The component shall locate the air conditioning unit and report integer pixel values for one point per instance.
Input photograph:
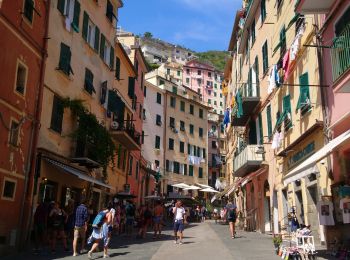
(114, 125)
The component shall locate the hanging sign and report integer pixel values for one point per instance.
(301, 155)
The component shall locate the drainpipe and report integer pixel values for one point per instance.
(164, 133)
(28, 195)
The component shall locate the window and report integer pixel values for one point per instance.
(209, 101)
(209, 74)
(200, 113)
(161, 82)
(263, 10)
(171, 144)
(65, 58)
(221, 95)
(191, 129)
(287, 111)
(182, 106)
(199, 72)
(200, 172)
(14, 133)
(131, 159)
(172, 122)
(252, 32)
(215, 85)
(283, 44)
(157, 144)
(220, 104)
(213, 144)
(187, 71)
(215, 103)
(131, 87)
(176, 167)
(21, 78)
(173, 102)
(200, 132)
(109, 11)
(157, 163)
(9, 188)
(28, 11)
(215, 94)
(265, 58)
(304, 97)
(269, 122)
(89, 81)
(187, 80)
(143, 137)
(199, 82)
(117, 69)
(182, 125)
(144, 91)
(178, 72)
(174, 90)
(182, 147)
(191, 109)
(137, 168)
(260, 129)
(91, 33)
(184, 169)
(209, 92)
(190, 170)
(57, 115)
(198, 90)
(107, 52)
(158, 120)
(159, 98)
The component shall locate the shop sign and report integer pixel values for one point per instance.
(301, 155)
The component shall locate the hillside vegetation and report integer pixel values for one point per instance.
(217, 58)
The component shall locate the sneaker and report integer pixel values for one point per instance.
(180, 243)
(75, 254)
(89, 254)
(175, 242)
(105, 256)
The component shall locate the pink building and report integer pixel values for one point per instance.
(334, 49)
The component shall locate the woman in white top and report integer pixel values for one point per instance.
(179, 220)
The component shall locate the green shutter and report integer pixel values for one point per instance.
(287, 109)
(57, 114)
(97, 39)
(261, 130)
(76, 16)
(131, 87)
(204, 153)
(304, 90)
(60, 6)
(200, 172)
(102, 46)
(65, 57)
(257, 75)
(117, 70)
(28, 9)
(185, 169)
(190, 170)
(188, 148)
(269, 123)
(111, 59)
(85, 25)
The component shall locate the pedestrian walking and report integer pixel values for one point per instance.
(179, 221)
(158, 219)
(80, 227)
(203, 212)
(108, 229)
(130, 217)
(99, 232)
(215, 215)
(40, 226)
(69, 225)
(58, 218)
(231, 215)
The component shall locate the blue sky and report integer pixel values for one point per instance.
(200, 25)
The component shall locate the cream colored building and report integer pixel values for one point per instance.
(80, 66)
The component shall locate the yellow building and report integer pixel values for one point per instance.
(79, 73)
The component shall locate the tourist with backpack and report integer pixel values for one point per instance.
(231, 215)
(98, 232)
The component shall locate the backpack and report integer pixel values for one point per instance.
(231, 214)
(99, 219)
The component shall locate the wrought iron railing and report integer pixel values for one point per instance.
(248, 154)
(340, 53)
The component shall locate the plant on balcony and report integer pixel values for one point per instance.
(91, 134)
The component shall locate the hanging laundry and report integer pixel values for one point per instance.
(68, 24)
(280, 139)
(286, 64)
(227, 117)
(294, 48)
(239, 104)
(273, 79)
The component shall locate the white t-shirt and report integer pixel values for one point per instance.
(179, 213)
(325, 213)
(344, 205)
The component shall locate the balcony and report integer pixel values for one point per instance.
(314, 6)
(126, 135)
(247, 161)
(250, 100)
(340, 55)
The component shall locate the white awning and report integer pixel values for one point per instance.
(307, 167)
(192, 187)
(76, 172)
(210, 190)
(181, 185)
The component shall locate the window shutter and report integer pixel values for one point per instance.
(131, 87)
(257, 75)
(117, 68)
(185, 169)
(76, 16)
(85, 25)
(261, 130)
(60, 6)
(103, 92)
(111, 59)
(65, 57)
(204, 153)
(97, 39)
(269, 123)
(167, 165)
(57, 114)
(189, 149)
(304, 90)
(102, 46)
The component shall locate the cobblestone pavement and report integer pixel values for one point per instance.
(202, 241)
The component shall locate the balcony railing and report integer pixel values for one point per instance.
(340, 53)
(247, 161)
(126, 135)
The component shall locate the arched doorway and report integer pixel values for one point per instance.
(267, 213)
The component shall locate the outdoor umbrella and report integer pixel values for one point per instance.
(153, 197)
(192, 187)
(203, 185)
(181, 185)
(210, 190)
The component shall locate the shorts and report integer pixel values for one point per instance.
(179, 226)
(157, 220)
(79, 232)
(231, 220)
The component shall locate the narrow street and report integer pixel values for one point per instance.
(202, 241)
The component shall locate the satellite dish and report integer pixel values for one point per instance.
(114, 125)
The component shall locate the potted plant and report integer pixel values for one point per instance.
(277, 241)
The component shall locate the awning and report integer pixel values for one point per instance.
(307, 166)
(306, 172)
(76, 172)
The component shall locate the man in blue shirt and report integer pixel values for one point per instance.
(80, 227)
(231, 215)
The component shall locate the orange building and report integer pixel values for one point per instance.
(24, 25)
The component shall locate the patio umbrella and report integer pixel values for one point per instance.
(203, 185)
(181, 185)
(192, 187)
(210, 190)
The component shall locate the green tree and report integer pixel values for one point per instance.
(148, 35)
